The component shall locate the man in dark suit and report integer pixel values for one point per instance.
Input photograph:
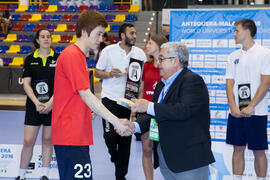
(180, 107)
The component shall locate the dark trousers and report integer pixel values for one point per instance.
(118, 147)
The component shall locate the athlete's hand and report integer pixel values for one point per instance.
(236, 112)
(133, 118)
(116, 73)
(247, 111)
(93, 115)
(47, 108)
(39, 106)
(125, 128)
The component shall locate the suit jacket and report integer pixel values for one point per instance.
(183, 121)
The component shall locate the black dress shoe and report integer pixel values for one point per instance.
(138, 136)
(44, 178)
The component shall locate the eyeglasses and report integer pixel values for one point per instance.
(161, 58)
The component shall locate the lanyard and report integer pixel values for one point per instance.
(164, 92)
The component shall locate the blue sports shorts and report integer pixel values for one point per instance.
(73, 162)
(251, 131)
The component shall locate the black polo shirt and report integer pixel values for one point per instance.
(41, 71)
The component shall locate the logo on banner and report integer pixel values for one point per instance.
(218, 169)
(6, 159)
(236, 61)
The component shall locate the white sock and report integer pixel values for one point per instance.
(261, 178)
(237, 177)
(22, 173)
(45, 171)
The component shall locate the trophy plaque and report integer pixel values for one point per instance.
(244, 95)
(134, 76)
(41, 90)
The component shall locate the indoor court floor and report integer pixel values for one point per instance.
(11, 129)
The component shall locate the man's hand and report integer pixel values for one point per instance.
(247, 111)
(133, 119)
(140, 105)
(129, 128)
(236, 112)
(116, 73)
(93, 115)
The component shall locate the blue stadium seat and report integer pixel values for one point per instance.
(131, 18)
(32, 8)
(56, 17)
(103, 8)
(2, 37)
(3, 48)
(16, 17)
(59, 49)
(25, 50)
(90, 63)
(29, 27)
(72, 9)
(30, 38)
(115, 28)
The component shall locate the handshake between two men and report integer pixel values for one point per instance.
(138, 105)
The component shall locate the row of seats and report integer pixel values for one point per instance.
(15, 49)
(56, 28)
(70, 17)
(55, 8)
(51, 27)
(55, 38)
(45, 17)
(113, 28)
(19, 61)
(121, 18)
(16, 61)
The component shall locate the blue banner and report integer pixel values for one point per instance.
(209, 37)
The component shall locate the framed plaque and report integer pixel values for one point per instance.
(244, 95)
(134, 76)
